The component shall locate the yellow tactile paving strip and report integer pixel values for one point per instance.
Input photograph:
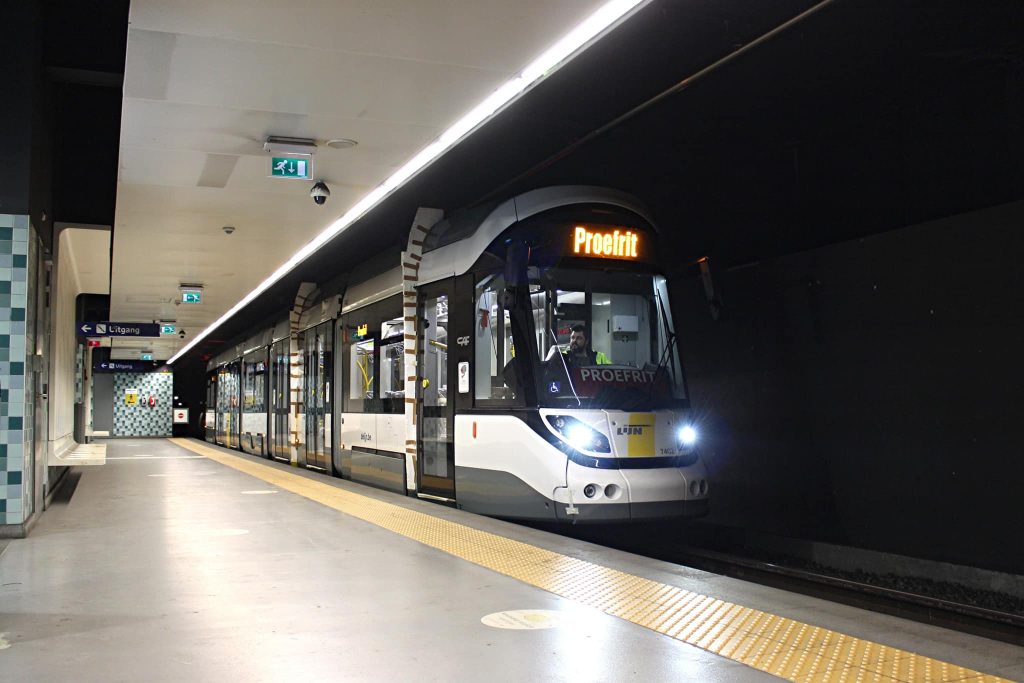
(783, 647)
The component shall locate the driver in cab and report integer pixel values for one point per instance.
(579, 354)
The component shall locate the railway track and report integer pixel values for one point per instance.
(967, 618)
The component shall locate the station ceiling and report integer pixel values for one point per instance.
(207, 82)
(859, 117)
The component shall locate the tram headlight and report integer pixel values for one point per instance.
(687, 437)
(579, 435)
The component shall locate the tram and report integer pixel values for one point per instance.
(519, 360)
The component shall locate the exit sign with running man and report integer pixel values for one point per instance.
(300, 168)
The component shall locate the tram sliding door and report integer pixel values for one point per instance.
(221, 418)
(319, 363)
(435, 423)
(280, 401)
(234, 421)
(210, 412)
(254, 402)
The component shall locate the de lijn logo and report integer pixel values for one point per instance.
(630, 430)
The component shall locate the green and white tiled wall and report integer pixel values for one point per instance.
(141, 419)
(15, 420)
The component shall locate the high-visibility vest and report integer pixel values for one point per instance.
(596, 357)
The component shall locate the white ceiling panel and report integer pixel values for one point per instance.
(281, 78)
(172, 125)
(205, 78)
(499, 35)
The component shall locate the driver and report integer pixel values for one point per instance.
(579, 353)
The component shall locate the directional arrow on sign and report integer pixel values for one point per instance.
(86, 328)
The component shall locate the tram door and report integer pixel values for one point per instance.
(319, 365)
(280, 401)
(233, 425)
(435, 423)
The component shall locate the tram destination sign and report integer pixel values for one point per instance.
(606, 242)
(109, 329)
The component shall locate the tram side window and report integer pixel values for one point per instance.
(494, 378)
(362, 370)
(247, 384)
(253, 387)
(391, 383)
(374, 355)
(257, 402)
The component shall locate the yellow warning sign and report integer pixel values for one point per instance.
(131, 397)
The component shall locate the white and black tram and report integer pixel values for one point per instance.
(518, 360)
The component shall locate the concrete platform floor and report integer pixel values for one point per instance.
(166, 566)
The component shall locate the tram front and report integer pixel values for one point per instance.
(580, 409)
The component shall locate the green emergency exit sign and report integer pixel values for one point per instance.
(300, 168)
(167, 329)
(191, 297)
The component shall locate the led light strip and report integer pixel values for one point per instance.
(605, 18)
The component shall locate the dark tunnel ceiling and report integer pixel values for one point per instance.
(864, 117)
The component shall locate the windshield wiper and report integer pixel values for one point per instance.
(666, 353)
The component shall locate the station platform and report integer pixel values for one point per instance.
(179, 560)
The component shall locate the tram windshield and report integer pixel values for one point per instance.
(602, 339)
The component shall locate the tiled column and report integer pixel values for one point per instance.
(15, 434)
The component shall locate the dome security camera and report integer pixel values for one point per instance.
(228, 229)
(181, 333)
(320, 192)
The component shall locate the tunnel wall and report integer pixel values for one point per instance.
(871, 392)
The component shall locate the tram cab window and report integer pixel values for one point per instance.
(616, 327)
(601, 336)
(629, 356)
(373, 352)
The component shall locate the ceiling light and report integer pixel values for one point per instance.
(288, 145)
(591, 28)
(341, 143)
